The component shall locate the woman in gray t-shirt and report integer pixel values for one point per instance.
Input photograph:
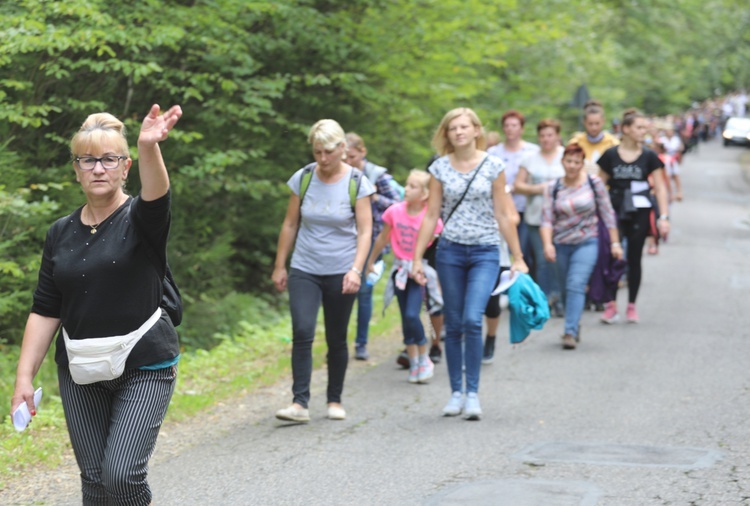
(468, 255)
(330, 218)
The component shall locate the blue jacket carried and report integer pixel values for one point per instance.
(528, 308)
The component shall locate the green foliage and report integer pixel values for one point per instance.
(252, 76)
(255, 352)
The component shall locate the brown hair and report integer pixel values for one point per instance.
(592, 107)
(355, 141)
(573, 149)
(548, 123)
(630, 115)
(513, 114)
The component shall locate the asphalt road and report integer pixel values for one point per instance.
(655, 413)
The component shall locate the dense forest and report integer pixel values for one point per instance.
(252, 76)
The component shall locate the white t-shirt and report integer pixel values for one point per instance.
(540, 171)
(512, 161)
(327, 236)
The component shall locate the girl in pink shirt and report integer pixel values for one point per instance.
(401, 223)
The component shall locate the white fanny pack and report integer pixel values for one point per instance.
(103, 358)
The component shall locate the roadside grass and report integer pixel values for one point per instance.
(255, 355)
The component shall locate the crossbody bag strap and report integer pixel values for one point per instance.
(445, 221)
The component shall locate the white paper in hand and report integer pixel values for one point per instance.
(22, 416)
(506, 280)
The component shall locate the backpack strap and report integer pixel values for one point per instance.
(355, 182)
(593, 189)
(304, 183)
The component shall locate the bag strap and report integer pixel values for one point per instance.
(445, 221)
(355, 181)
(591, 184)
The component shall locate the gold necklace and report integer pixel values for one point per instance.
(93, 227)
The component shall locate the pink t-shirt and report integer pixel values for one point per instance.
(405, 229)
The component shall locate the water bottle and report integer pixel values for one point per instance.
(374, 276)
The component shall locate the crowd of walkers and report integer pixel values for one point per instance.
(575, 217)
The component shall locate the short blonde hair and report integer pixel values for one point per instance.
(423, 177)
(326, 132)
(440, 141)
(98, 130)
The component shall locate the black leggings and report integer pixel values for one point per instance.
(493, 305)
(635, 230)
(306, 294)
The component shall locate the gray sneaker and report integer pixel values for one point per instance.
(360, 352)
(488, 354)
(455, 405)
(472, 409)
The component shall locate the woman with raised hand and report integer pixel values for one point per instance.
(573, 205)
(467, 188)
(626, 169)
(100, 283)
(329, 223)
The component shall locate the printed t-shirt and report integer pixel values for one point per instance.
(631, 176)
(405, 229)
(472, 222)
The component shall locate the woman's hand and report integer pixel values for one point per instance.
(417, 272)
(352, 282)
(279, 278)
(23, 393)
(617, 252)
(156, 127)
(519, 265)
(550, 253)
(663, 226)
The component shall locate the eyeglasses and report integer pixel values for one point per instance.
(89, 162)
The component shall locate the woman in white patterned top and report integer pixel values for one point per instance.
(467, 188)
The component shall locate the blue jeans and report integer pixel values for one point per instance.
(546, 272)
(467, 276)
(364, 312)
(364, 306)
(410, 303)
(575, 263)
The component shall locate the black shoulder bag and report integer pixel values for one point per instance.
(171, 300)
(429, 253)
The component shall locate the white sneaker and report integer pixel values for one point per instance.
(426, 371)
(455, 405)
(336, 413)
(472, 409)
(293, 414)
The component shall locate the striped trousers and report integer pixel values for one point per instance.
(113, 427)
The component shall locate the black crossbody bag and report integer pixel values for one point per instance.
(429, 253)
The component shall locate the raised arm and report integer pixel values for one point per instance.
(153, 172)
